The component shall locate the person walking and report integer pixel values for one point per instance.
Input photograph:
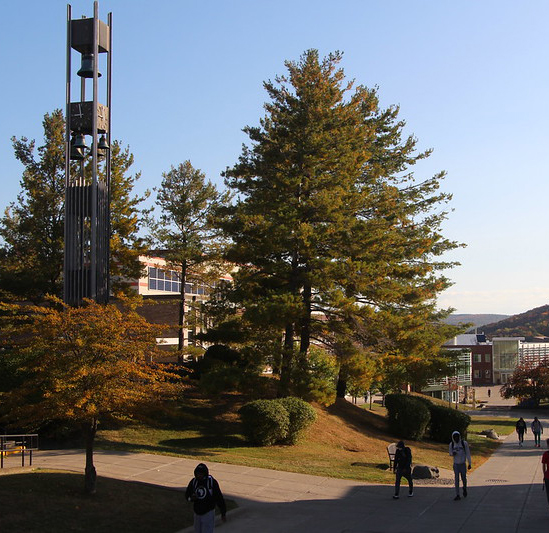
(545, 466)
(521, 430)
(461, 453)
(403, 468)
(489, 393)
(203, 490)
(537, 430)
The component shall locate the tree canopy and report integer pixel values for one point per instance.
(82, 366)
(333, 234)
(528, 382)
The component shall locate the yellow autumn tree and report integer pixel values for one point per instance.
(82, 366)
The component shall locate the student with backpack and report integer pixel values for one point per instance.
(403, 468)
(461, 453)
(203, 490)
(537, 430)
(521, 430)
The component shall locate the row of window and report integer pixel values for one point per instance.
(169, 281)
(477, 358)
(487, 374)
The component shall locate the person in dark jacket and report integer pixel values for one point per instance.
(203, 490)
(403, 468)
(521, 430)
(537, 430)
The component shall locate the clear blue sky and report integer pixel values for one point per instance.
(471, 77)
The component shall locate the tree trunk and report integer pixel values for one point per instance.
(90, 475)
(181, 322)
(287, 362)
(305, 334)
(341, 387)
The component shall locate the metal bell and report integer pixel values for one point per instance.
(103, 144)
(86, 70)
(79, 141)
(76, 154)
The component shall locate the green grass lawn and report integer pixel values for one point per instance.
(53, 502)
(347, 441)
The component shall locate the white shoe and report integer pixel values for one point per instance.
(410, 494)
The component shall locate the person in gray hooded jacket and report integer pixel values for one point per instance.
(459, 450)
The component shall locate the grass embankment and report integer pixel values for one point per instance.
(50, 502)
(346, 441)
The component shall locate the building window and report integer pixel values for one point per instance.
(477, 373)
(487, 358)
(164, 280)
(487, 374)
(477, 358)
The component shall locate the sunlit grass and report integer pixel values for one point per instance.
(346, 441)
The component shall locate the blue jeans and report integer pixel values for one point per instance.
(537, 439)
(204, 523)
(460, 470)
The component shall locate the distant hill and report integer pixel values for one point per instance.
(533, 325)
(477, 320)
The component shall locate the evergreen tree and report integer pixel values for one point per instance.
(32, 228)
(331, 228)
(185, 229)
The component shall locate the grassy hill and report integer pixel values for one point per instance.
(346, 441)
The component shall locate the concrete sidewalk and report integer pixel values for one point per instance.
(505, 495)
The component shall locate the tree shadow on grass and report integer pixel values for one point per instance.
(50, 502)
(206, 441)
(360, 419)
(190, 446)
(379, 466)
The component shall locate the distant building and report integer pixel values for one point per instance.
(453, 388)
(493, 362)
(162, 284)
(481, 356)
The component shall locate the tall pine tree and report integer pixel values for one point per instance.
(185, 229)
(330, 226)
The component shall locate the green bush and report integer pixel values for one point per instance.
(408, 416)
(264, 422)
(302, 415)
(445, 420)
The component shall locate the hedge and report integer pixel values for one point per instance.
(444, 421)
(408, 416)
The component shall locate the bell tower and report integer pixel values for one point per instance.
(87, 169)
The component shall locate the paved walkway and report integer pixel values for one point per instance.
(505, 495)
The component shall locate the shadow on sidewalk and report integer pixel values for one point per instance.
(371, 509)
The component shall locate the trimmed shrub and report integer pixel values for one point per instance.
(302, 415)
(264, 422)
(445, 420)
(408, 416)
